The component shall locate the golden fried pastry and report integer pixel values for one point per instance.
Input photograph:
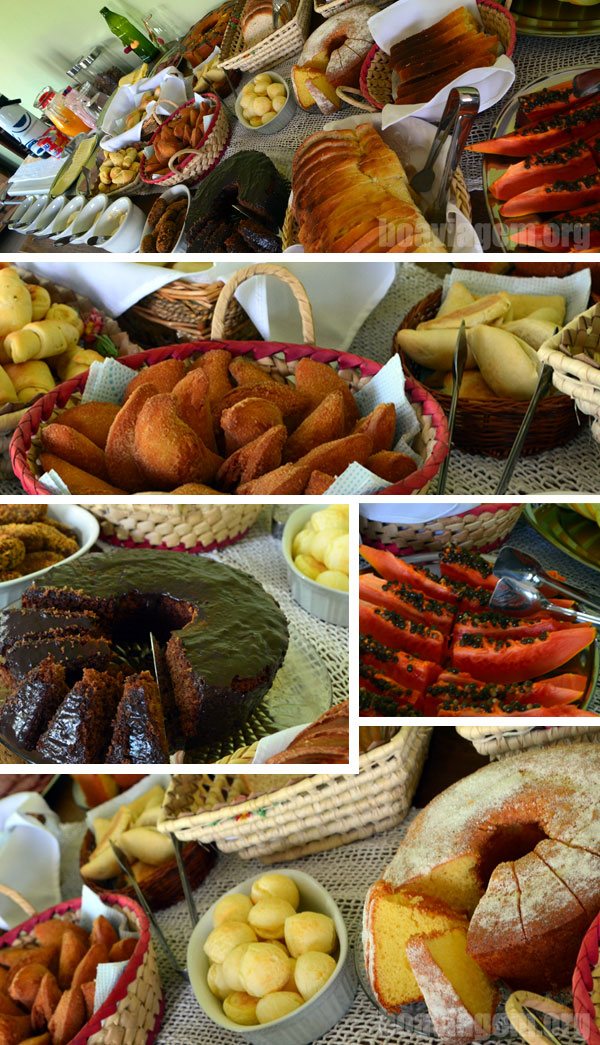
(61, 527)
(319, 482)
(39, 536)
(76, 479)
(193, 406)
(40, 561)
(215, 365)
(46, 1001)
(91, 419)
(197, 489)
(167, 451)
(334, 457)
(89, 993)
(254, 459)
(122, 950)
(13, 1029)
(9, 1007)
(103, 932)
(10, 575)
(317, 380)
(246, 372)
(25, 983)
(288, 478)
(72, 950)
(247, 420)
(294, 405)
(274, 884)
(310, 931)
(391, 466)
(381, 426)
(74, 447)
(86, 970)
(12, 551)
(14, 957)
(26, 513)
(164, 376)
(69, 1017)
(326, 422)
(51, 932)
(234, 907)
(122, 466)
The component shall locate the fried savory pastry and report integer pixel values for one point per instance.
(381, 426)
(75, 448)
(40, 561)
(50, 933)
(156, 211)
(215, 365)
(326, 422)
(103, 932)
(317, 380)
(39, 536)
(294, 405)
(89, 993)
(391, 466)
(245, 421)
(120, 459)
(69, 1017)
(10, 575)
(12, 551)
(46, 1002)
(288, 478)
(86, 970)
(14, 1029)
(167, 451)
(91, 419)
(122, 950)
(163, 376)
(246, 372)
(198, 489)
(25, 984)
(8, 1007)
(15, 957)
(25, 513)
(193, 406)
(334, 457)
(72, 950)
(254, 459)
(76, 479)
(319, 482)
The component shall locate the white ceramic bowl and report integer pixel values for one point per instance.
(316, 1016)
(30, 218)
(83, 226)
(126, 238)
(20, 212)
(68, 215)
(85, 526)
(283, 116)
(45, 219)
(180, 247)
(327, 604)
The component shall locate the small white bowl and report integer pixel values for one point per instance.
(316, 1016)
(87, 530)
(283, 116)
(30, 218)
(20, 212)
(127, 236)
(83, 226)
(45, 219)
(59, 225)
(180, 247)
(327, 604)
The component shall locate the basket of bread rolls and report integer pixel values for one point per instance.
(188, 144)
(48, 334)
(504, 333)
(229, 417)
(49, 964)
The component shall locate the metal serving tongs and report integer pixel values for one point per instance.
(461, 109)
(520, 599)
(512, 562)
(542, 389)
(460, 361)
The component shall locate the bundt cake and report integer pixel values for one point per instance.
(515, 847)
(222, 639)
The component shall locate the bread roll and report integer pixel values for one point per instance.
(16, 309)
(225, 937)
(232, 908)
(216, 982)
(309, 931)
(264, 968)
(241, 1008)
(276, 1005)
(311, 972)
(267, 917)
(231, 975)
(278, 885)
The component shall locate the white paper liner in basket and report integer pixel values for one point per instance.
(575, 288)
(173, 94)
(108, 973)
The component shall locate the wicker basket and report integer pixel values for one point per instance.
(509, 740)
(490, 426)
(63, 295)
(585, 984)
(279, 359)
(175, 527)
(198, 161)
(376, 72)
(482, 529)
(285, 42)
(162, 888)
(311, 815)
(327, 8)
(133, 1012)
(573, 376)
(182, 311)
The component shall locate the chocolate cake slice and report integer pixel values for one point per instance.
(26, 713)
(139, 727)
(18, 624)
(80, 730)
(70, 650)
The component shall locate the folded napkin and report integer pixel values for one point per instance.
(576, 288)
(29, 855)
(173, 93)
(272, 745)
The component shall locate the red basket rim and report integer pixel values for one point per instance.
(43, 408)
(198, 549)
(184, 163)
(364, 71)
(587, 960)
(121, 987)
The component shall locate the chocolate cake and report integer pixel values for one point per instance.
(70, 650)
(26, 713)
(138, 731)
(23, 623)
(81, 727)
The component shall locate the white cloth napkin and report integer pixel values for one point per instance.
(404, 19)
(267, 747)
(29, 855)
(173, 93)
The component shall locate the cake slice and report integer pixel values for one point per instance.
(20, 623)
(74, 652)
(80, 730)
(578, 869)
(139, 727)
(496, 939)
(391, 919)
(26, 713)
(460, 998)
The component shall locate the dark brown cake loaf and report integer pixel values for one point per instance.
(138, 731)
(70, 650)
(26, 713)
(81, 728)
(16, 624)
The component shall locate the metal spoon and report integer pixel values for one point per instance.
(522, 600)
(460, 360)
(512, 562)
(543, 387)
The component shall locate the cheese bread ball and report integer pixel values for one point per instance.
(274, 884)
(233, 908)
(311, 972)
(241, 1008)
(309, 931)
(264, 968)
(276, 1005)
(216, 982)
(225, 937)
(268, 916)
(231, 969)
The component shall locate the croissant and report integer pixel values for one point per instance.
(76, 361)
(8, 392)
(66, 314)
(40, 301)
(48, 337)
(16, 308)
(30, 379)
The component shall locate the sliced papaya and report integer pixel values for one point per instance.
(414, 605)
(377, 682)
(375, 705)
(401, 667)
(554, 196)
(495, 625)
(554, 711)
(576, 233)
(517, 660)
(553, 133)
(390, 629)
(573, 161)
(394, 568)
(542, 105)
(456, 564)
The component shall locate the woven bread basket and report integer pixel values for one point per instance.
(66, 296)
(285, 42)
(133, 1012)
(376, 72)
(327, 8)
(482, 529)
(490, 426)
(183, 311)
(175, 527)
(278, 359)
(573, 376)
(310, 815)
(190, 164)
(509, 740)
(586, 985)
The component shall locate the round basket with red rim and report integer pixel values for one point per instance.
(586, 985)
(192, 162)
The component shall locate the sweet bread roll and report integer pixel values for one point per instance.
(193, 406)
(318, 380)
(46, 1001)
(225, 937)
(167, 451)
(254, 459)
(16, 307)
(310, 931)
(41, 340)
(247, 420)
(326, 422)
(278, 1004)
(146, 844)
(162, 376)
(122, 466)
(232, 908)
(75, 361)
(75, 478)
(69, 1017)
(91, 419)
(264, 968)
(66, 314)
(311, 972)
(231, 968)
(103, 932)
(72, 950)
(268, 916)
(273, 884)
(216, 981)
(30, 379)
(240, 1008)
(40, 301)
(75, 448)
(380, 424)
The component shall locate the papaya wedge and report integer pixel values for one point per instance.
(407, 671)
(390, 629)
(544, 104)
(556, 196)
(517, 660)
(395, 568)
(547, 134)
(573, 161)
(565, 234)
(411, 604)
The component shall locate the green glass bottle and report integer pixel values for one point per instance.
(131, 37)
